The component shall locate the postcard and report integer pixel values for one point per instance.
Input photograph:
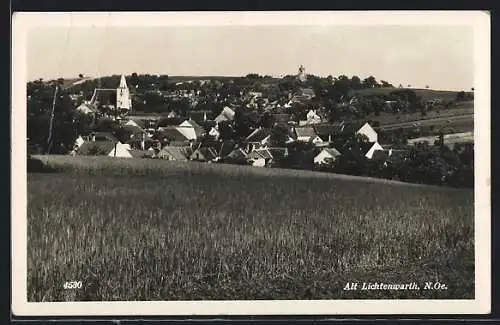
(250, 163)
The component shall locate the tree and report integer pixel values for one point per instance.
(370, 82)
(279, 135)
(356, 83)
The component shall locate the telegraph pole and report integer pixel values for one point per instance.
(51, 122)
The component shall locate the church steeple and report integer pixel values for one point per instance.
(123, 101)
(302, 74)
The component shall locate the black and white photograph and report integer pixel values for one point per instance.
(251, 163)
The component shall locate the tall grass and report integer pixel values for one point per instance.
(151, 230)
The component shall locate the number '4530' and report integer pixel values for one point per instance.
(72, 285)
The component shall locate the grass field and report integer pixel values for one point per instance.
(134, 229)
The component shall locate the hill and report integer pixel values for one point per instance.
(426, 94)
(189, 231)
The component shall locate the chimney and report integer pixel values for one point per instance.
(329, 138)
(93, 137)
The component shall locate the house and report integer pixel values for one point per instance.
(203, 154)
(369, 132)
(237, 156)
(307, 93)
(381, 156)
(223, 149)
(191, 129)
(174, 153)
(214, 132)
(171, 135)
(328, 132)
(168, 122)
(374, 147)
(326, 156)
(227, 114)
(307, 134)
(259, 137)
(312, 117)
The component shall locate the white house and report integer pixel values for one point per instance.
(325, 155)
(313, 117)
(369, 132)
(187, 130)
(376, 146)
(214, 132)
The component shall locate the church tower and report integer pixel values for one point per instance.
(302, 74)
(123, 101)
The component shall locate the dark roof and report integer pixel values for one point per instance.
(264, 153)
(174, 153)
(141, 153)
(204, 153)
(259, 135)
(103, 136)
(237, 154)
(97, 148)
(167, 121)
(380, 155)
(171, 134)
(278, 152)
(224, 148)
(133, 129)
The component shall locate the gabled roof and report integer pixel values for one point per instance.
(224, 148)
(237, 154)
(258, 135)
(264, 153)
(171, 134)
(227, 114)
(207, 153)
(174, 153)
(380, 155)
(305, 132)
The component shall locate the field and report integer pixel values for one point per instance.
(135, 229)
(425, 94)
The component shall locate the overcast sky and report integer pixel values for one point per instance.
(438, 56)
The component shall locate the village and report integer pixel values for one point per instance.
(287, 131)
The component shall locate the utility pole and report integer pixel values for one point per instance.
(51, 123)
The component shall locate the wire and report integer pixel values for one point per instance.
(59, 70)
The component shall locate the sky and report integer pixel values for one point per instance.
(438, 56)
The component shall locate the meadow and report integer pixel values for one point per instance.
(145, 229)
